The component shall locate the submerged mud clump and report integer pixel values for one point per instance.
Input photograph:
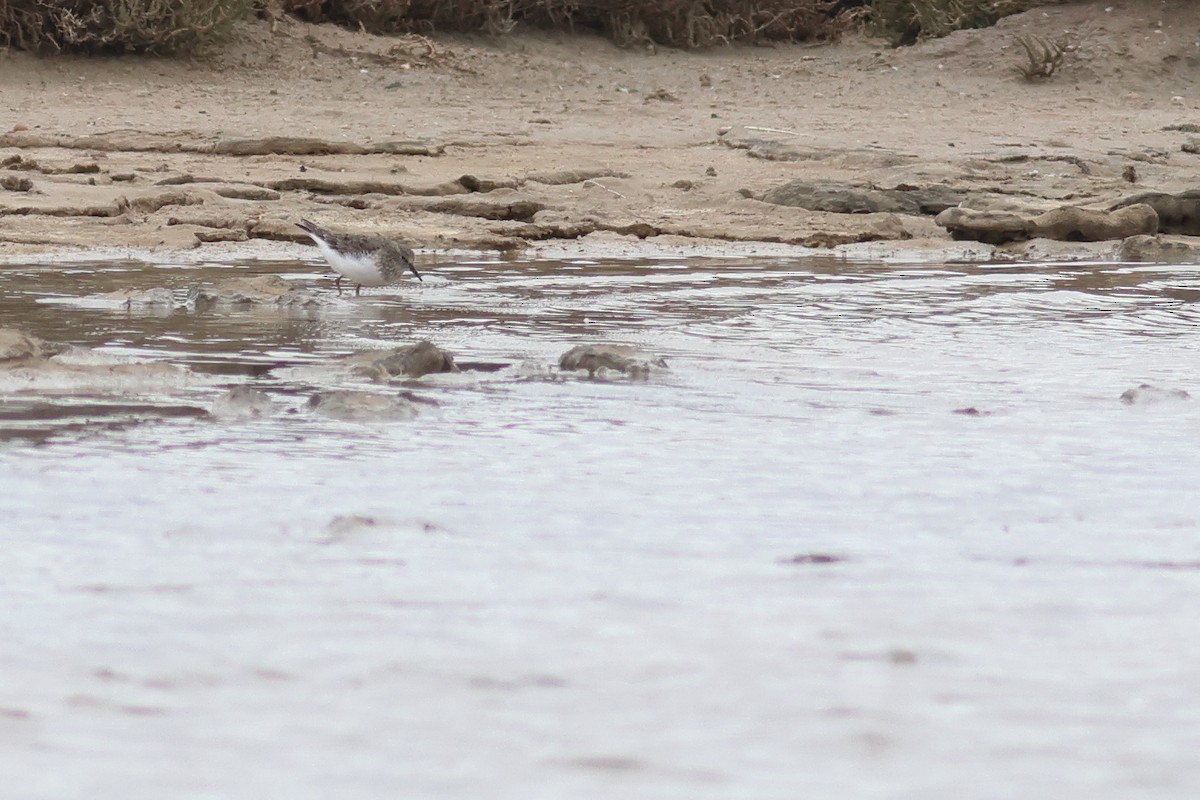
(355, 406)
(813, 558)
(243, 402)
(29, 363)
(413, 361)
(602, 359)
(257, 290)
(158, 297)
(1146, 394)
(17, 346)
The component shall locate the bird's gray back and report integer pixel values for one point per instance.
(354, 243)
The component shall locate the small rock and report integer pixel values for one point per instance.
(1071, 224)
(205, 218)
(1146, 394)
(15, 183)
(17, 346)
(475, 183)
(990, 227)
(178, 180)
(87, 168)
(237, 191)
(1157, 249)
(149, 203)
(507, 206)
(1177, 213)
(661, 94)
(622, 358)
(221, 235)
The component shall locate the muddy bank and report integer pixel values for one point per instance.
(542, 138)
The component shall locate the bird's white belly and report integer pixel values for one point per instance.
(357, 268)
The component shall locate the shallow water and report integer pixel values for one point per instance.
(881, 532)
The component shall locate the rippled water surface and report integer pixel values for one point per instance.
(880, 532)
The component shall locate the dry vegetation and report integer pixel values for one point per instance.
(906, 21)
(154, 26)
(174, 26)
(1043, 56)
(680, 23)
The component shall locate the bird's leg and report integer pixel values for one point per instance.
(357, 289)
(338, 284)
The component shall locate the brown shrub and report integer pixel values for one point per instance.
(906, 21)
(679, 23)
(172, 26)
(153, 26)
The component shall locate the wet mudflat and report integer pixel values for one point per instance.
(880, 531)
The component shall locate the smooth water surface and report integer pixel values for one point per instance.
(880, 532)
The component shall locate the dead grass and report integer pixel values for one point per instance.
(1043, 57)
(905, 21)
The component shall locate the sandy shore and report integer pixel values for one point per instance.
(561, 142)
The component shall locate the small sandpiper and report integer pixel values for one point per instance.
(366, 260)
